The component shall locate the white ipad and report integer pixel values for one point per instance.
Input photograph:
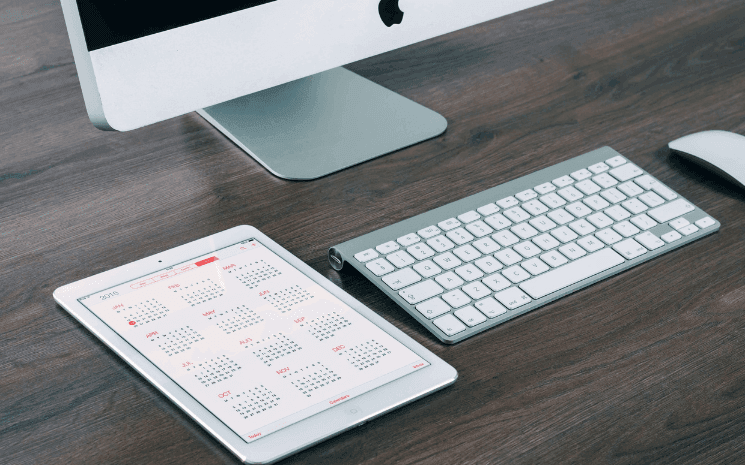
(257, 347)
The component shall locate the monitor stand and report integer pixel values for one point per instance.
(323, 123)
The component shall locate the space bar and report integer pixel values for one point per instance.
(572, 273)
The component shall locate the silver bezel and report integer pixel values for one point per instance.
(290, 439)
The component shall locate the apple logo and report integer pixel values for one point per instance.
(390, 13)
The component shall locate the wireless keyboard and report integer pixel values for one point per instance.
(477, 262)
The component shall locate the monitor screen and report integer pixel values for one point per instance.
(109, 22)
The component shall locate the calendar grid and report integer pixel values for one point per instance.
(272, 348)
(311, 378)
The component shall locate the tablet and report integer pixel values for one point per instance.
(262, 351)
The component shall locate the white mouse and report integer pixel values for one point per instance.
(721, 151)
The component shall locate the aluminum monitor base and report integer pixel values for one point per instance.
(321, 124)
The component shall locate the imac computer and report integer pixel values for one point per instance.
(266, 73)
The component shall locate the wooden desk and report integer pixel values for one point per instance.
(648, 366)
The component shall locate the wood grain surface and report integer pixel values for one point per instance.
(644, 367)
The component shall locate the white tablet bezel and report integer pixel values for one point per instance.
(290, 439)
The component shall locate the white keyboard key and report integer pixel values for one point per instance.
(679, 223)
(605, 180)
(561, 216)
(488, 264)
(630, 248)
(508, 202)
(590, 243)
(552, 200)
(600, 220)
(578, 209)
(630, 189)
(526, 195)
(643, 222)
(571, 273)
(545, 188)
(516, 274)
(608, 236)
(596, 202)
(634, 206)
(534, 266)
(626, 229)
(599, 167)
(546, 241)
(488, 209)
(476, 290)
(505, 238)
(467, 253)
(429, 231)
(524, 230)
(427, 268)
(672, 236)
(649, 240)
(651, 199)
(671, 210)
(440, 243)
(498, 221)
(508, 257)
(401, 278)
(497, 282)
(563, 181)
(447, 261)
(613, 195)
(512, 298)
(486, 246)
(366, 255)
(516, 214)
(449, 325)
(535, 207)
(582, 227)
(421, 291)
(581, 174)
(690, 229)
(479, 229)
(587, 187)
(570, 194)
(617, 212)
(626, 171)
(449, 280)
(459, 236)
(554, 259)
(380, 266)
(645, 181)
(408, 239)
(400, 259)
(469, 216)
(564, 234)
(705, 222)
(470, 316)
(388, 247)
(433, 308)
(490, 307)
(664, 191)
(615, 161)
(420, 251)
(449, 224)
(456, 298)
(542, 223)
(572, 251)
(527, 249)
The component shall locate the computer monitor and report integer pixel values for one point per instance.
(264, 72)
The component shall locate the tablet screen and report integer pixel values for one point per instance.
(254, 340)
